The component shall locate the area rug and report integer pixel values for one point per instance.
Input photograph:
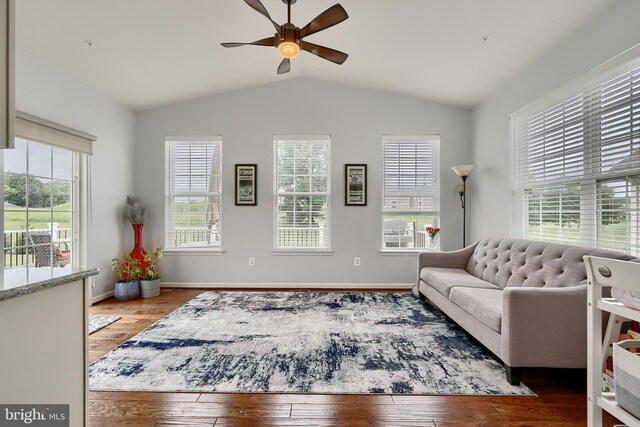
(307, 342)
(98, 322)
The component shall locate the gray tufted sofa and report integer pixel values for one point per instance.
(524, 300)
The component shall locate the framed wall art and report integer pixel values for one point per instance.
(355, 191)
(246, 185)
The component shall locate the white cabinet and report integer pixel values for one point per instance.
(603, 272)
(44, 349)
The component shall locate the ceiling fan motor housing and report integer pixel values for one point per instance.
(290, 33)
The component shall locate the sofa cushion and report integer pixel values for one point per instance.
(527, 263)
(485, 305)
(444, 279)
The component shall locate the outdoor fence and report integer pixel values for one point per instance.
(301, 237)
(195, 236)
(421, 239)
(295, 238)
(17, 250)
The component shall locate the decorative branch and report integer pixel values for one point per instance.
(134, 211)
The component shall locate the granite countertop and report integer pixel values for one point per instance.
(18, 281)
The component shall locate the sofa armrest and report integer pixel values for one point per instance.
(450, 259)
(545, 327)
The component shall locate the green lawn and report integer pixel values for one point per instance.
(38, 217)
(191, 214)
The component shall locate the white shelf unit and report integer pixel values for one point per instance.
(605, 272)
(611, 406)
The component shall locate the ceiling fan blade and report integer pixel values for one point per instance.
(269, 41)
(259, 7)
(285, 66)
(324, 52)
(330, 17)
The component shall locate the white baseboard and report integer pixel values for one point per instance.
(98, 298)
(210, 285)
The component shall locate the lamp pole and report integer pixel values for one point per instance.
(463, 171)
(462, 192)
(464, 210)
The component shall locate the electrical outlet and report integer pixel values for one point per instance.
(252, 262)
(356, 261)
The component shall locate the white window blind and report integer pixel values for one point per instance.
(576, 163)
(410, 189)
(194, 183)
(302, 192)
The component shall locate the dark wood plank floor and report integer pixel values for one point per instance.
(561, 400)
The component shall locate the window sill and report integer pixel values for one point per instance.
(302, 252)
(194, 251)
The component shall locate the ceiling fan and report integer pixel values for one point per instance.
(289, 38)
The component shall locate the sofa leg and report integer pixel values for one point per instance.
(416, 292)
(514, 375)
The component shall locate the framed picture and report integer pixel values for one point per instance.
(246, 185)
(355, 189)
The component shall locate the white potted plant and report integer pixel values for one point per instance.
(150, 281)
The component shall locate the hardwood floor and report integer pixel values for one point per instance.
(561, 400)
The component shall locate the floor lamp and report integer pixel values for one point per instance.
(463, 171)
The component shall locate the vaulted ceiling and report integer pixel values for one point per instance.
(148, 53)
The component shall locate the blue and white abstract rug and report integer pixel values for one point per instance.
(307, 342)
(99, 322)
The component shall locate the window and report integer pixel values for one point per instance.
(39, 205)
(302, 188)
(46, 197)
(576, 162)
(410, 190)
(194, 193)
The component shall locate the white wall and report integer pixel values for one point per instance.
(611, 34)
(53, 95)
(247, 120)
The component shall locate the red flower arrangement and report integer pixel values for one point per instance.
(433, 231)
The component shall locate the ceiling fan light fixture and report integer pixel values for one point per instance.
(289, 50)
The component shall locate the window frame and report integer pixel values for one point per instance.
(301, 250)
(214, 249)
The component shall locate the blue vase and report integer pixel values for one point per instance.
(126, 291)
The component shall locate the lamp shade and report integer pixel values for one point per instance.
(463, 170)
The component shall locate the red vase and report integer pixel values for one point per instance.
(138, 252)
